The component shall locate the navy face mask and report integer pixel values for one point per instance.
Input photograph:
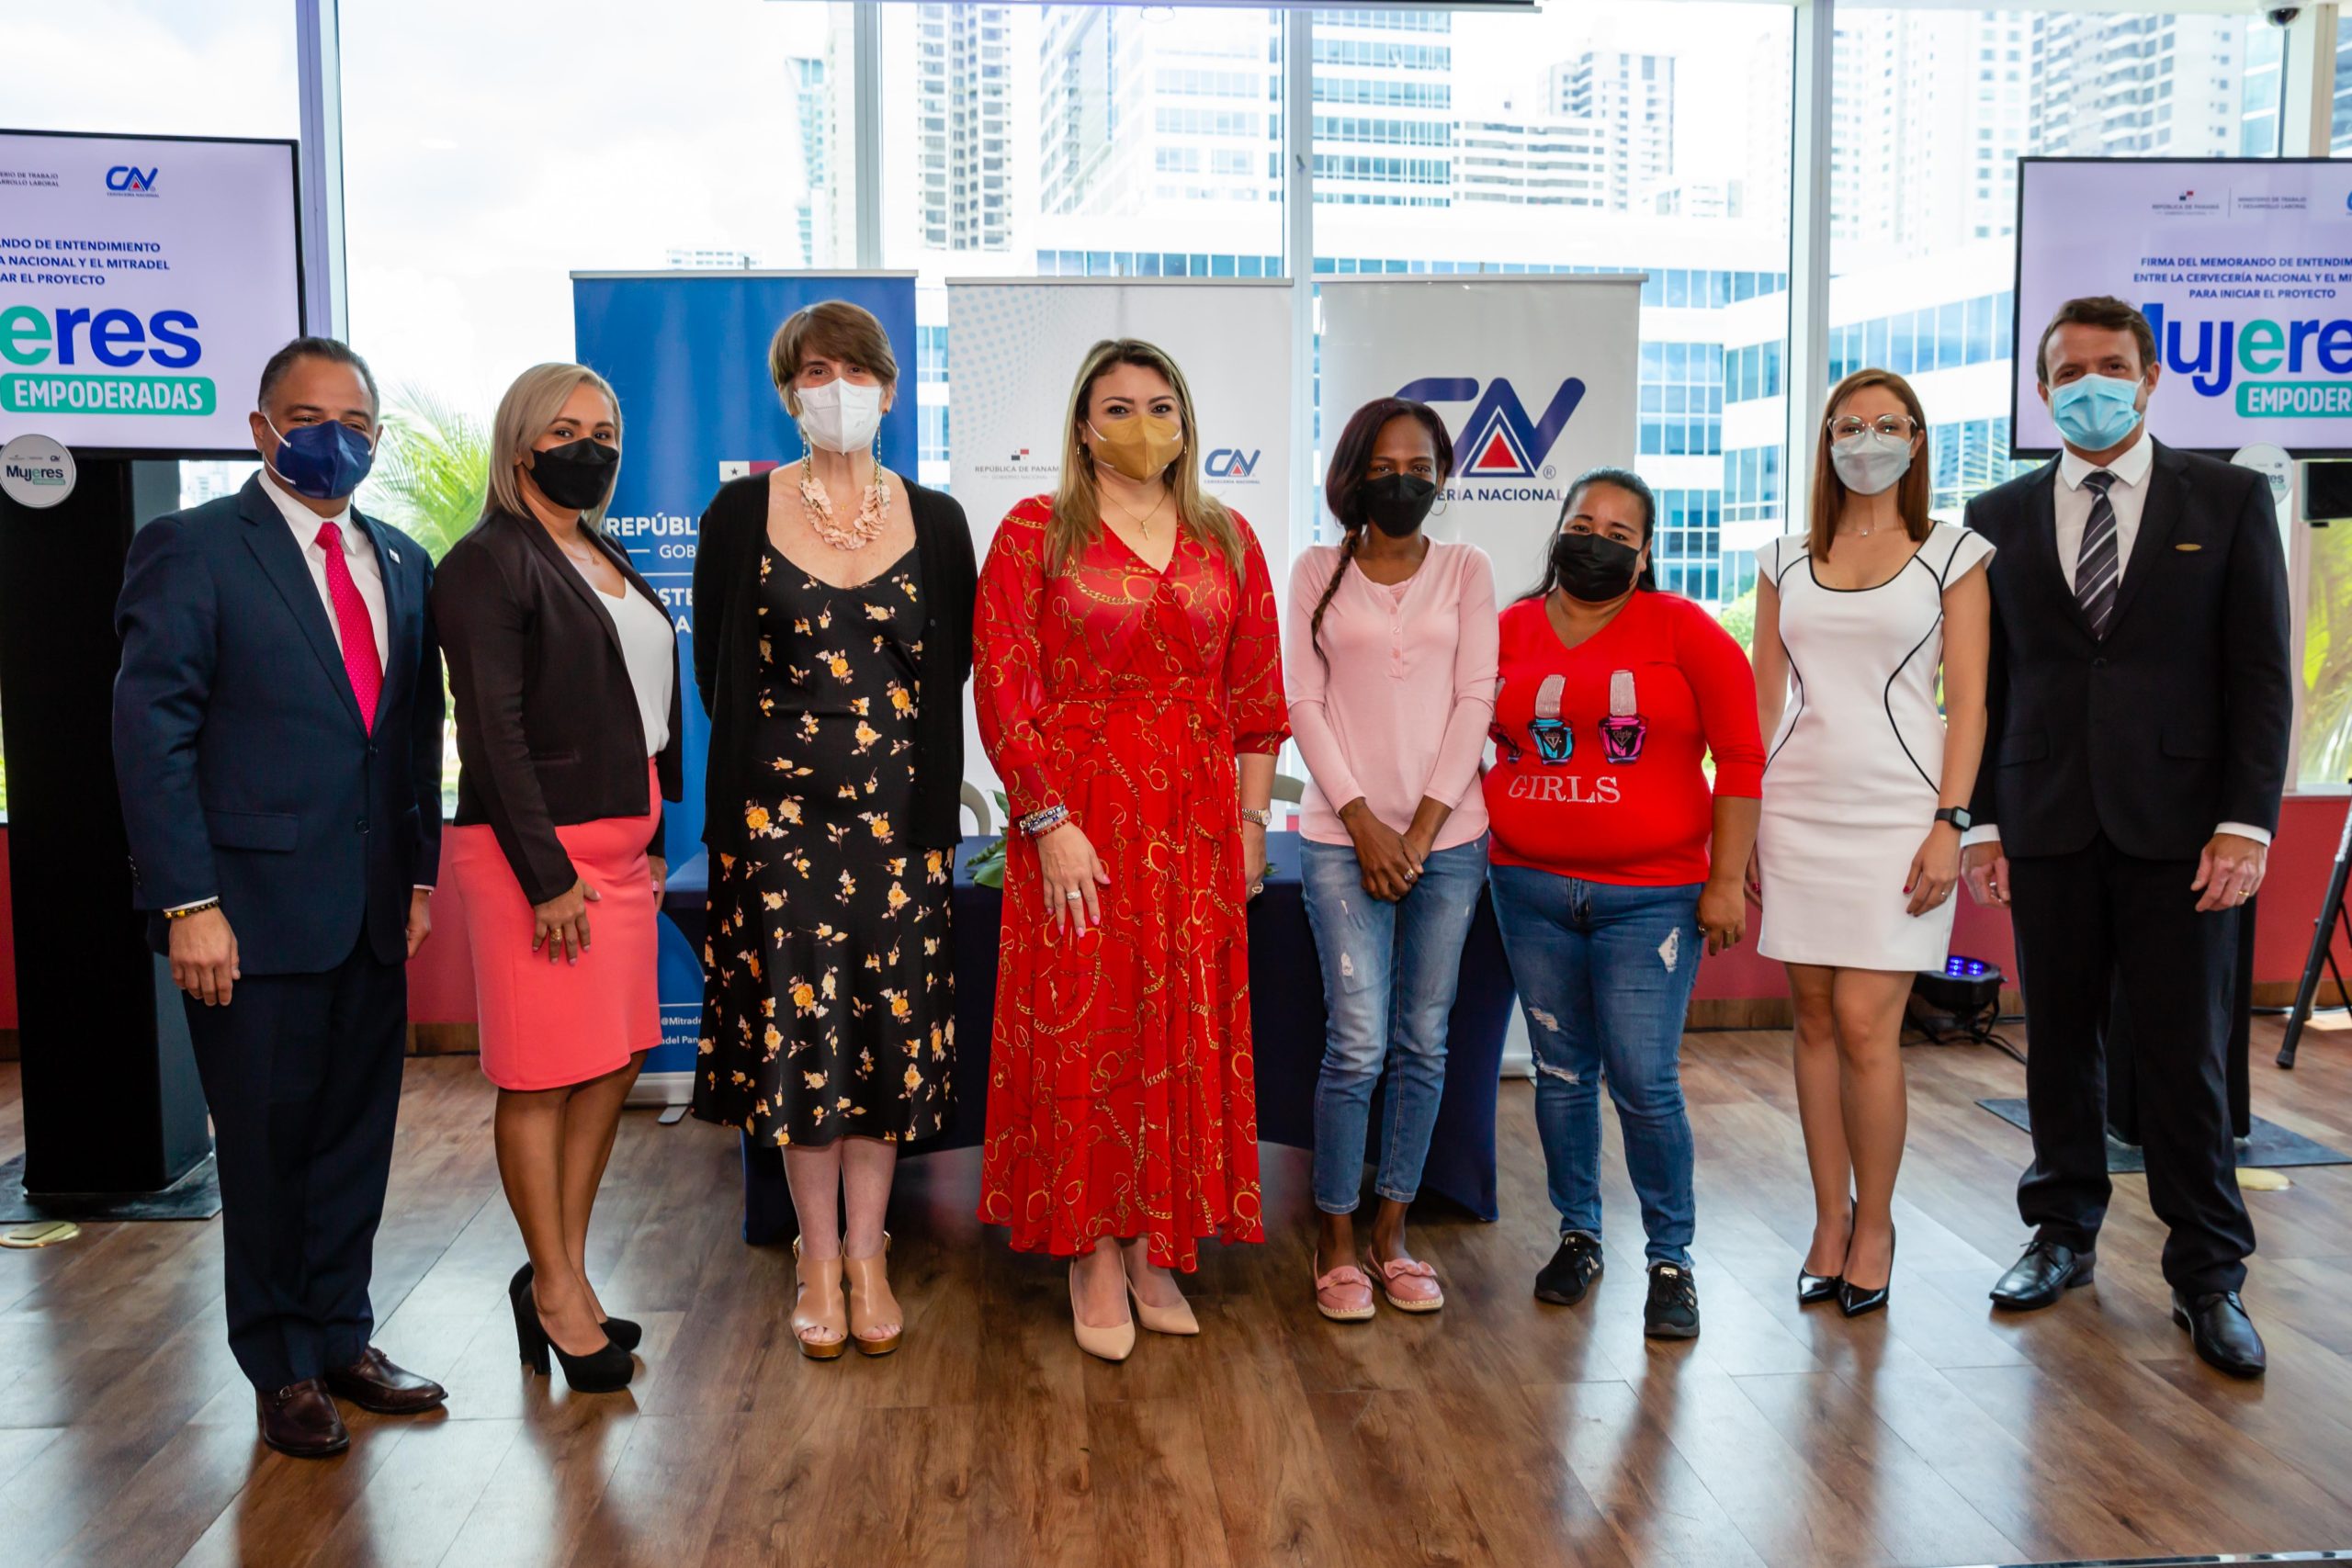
(323, 461)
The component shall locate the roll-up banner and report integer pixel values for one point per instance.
(687, 352)
(1015, 347)
(1538, 379)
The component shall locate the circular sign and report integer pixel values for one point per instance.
(2273, 464)
(36, 471)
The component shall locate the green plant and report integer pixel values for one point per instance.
(432, 469)
(1738, 617)
(987, 868)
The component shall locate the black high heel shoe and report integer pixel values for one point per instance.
(606, 1370)
(1814, 1289)
(621, 1331)
(1855, 1301)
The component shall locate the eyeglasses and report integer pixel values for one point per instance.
(1900, 427)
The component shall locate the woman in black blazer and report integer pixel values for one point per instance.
(833, 605)
(564, 668)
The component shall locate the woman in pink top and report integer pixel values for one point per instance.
(1389, 658)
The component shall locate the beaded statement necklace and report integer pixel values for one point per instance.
(872, 514)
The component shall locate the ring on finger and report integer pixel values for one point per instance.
(1072, 896)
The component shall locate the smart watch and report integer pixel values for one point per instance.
(1957, 815)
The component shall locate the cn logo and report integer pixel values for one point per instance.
(1499, 441)
(1232, 463)
(123, 177)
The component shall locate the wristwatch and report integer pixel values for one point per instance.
(1260, 815)
(1957, 815)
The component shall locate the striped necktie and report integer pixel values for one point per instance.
(2098, 567)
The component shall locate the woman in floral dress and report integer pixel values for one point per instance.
(1130, 694)
(833, 639)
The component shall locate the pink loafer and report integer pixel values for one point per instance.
(1343, 1295)
(1409, 1284)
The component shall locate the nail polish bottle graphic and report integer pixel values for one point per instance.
(1554, 742)
(1623, 732)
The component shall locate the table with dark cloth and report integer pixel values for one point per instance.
(1286, 1018)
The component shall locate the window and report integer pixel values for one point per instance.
(1653, 139)
(1118, 141)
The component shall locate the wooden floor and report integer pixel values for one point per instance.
(1499, 1431)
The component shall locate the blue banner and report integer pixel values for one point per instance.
(688, 355)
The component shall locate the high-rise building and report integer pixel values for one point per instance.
(2138, 85)
(963, 85)
(1384, 129)
(1630, 97)
(1515, 163)
(1136, 109)
(813, 115)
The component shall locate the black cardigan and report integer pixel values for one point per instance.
(726, 576)
(547, 729)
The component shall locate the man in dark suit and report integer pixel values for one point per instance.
(277, 743)
(2139, 702)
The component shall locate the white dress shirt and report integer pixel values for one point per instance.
(366, 572)
(2128, 496)
(649, 649)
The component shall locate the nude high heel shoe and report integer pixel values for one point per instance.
(870, 1302)
(1178, 1319)
(818, 1305)
(1116, 1343)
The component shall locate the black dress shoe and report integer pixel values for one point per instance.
(301, 1419)
(2223, 1335)
(2048, 1270)
(1814, 1289)
(1573, 1269)
(1854, 1300)
(621, 1331)
(374, 1382)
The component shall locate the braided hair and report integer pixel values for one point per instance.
(1343, 476)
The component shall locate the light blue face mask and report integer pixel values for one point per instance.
(2096, 412)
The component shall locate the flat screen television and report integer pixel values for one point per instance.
(144, 280)
(2242, 266)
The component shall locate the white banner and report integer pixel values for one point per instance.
(144, 283)
(1539, 378)
(1015, 347)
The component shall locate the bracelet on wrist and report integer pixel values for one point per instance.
(1044, 821)
(191, 909)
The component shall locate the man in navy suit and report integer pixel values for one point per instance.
(2139, 698)
(278, 744)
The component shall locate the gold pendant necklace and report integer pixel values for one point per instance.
(1140, 524)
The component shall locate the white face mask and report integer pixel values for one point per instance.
(840, 416)
(1871, 462)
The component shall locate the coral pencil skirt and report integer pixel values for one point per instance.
(548, 1026)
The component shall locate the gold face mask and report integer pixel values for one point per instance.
(1141, 446)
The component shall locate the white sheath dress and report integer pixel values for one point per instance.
(1851, 780)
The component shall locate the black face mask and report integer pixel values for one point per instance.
(1396, 504)
(577, 474)
(1593, 569)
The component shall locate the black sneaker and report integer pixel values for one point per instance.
(1571, 1272)
(1672, 1310)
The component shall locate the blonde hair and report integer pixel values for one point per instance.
(524, 414)
(1077, 505)
(837, 330)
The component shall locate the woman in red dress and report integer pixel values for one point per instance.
(1129, 688)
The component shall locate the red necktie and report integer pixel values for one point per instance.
(358, 632)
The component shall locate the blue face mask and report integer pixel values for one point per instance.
(325, 461)
(2096, 412)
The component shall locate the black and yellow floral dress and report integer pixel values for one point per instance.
(829, 1007)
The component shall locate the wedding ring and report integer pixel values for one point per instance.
(1412, 875)
(1073, 896)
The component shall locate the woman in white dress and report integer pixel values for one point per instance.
(1866, 788)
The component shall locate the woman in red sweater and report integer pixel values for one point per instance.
(1613, 697)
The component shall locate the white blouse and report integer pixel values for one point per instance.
(650, 647)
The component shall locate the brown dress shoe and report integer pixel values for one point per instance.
(301, 1419)
(373, 1384)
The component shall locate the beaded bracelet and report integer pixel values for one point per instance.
(191, 909)
(1044, 821)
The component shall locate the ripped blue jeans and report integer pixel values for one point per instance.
(1604, 974)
